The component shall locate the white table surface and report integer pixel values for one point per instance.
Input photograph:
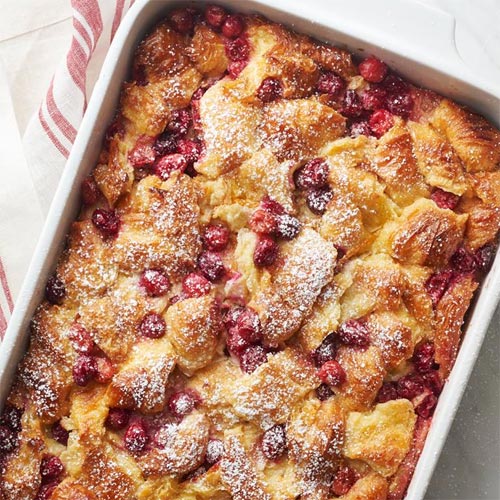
(34, 36)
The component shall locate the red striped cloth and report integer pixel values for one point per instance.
(52, 130)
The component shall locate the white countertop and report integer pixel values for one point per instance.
(34, 36)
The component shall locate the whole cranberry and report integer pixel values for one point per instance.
(182, 20)
(136, 438)
(236, 344)
(191, 150)
(84, 370)
(374, 98)
(182, 403)
(323, 392)
(410, 386)
(263, 221)
(270, 89)
(314, 174)
(11, 417)
(165, 144)
(344, 480)
(215, 16)
(252, 357)
(152, 326)
(330, 83)
(117, 419)
(90, 191)
(143, 153)
(272, 206)
(59, 433)
(400, 104)
(105, 370)
(55, 291)
(107, 221)
(443, 199)
(463, 261)
(248, 325)
(81, 339)
(215, 237)
(233, 26)
(423, 357)
(287, 227)
(266, 251)
(387, 392)
(332, 373)
(274, 442)
(380, 122)
(215, 451)
(373, 70)
(231, 315)
(352, 107)
(326, 351)
(155, 282)
(360, 128)
(8, 440)
(354, 333)
(211, 265)
(238, 50)
(426, 407)
(318, 199)
(179, 123)
(484, 257)
(438, 283)
(195, 285)
(169, 164)
(51, 468)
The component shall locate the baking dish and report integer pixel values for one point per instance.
(428, 60)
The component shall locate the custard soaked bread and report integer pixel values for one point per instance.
(264, 291)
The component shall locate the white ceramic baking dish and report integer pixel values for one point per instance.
(416, 40)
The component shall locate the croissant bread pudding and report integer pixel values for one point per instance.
(263, 294)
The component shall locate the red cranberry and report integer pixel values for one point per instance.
(394, 84)
(84, 370)
(105, 370)
(484, 257)
(211, 265)
(443, 199)
(81, 339)
(231, 315)
(433, 381)
(143, 153)
(400, 105)
(179, 123)
(324, 392)
(238, 50)
(410, 386)
(272, 206)
(165, 144)
(263, 221)
(235, 68)
(423, 357)
(330, 83)
(252, 357)
(373, 70)
(195, 285)
(51, 468)
(117, 419)
(314, 174)
(191, 150)
(426, 407)
(215, 16)
(248, 325)
(374, 98)
(463, 261)
(107, 221)
(45, 491)
(167, 165)
(233, 26)
(215, 237)
(11, 417)
(438, 283)
(317, 199)
(182, 20)
(90, 191)
(270, 89)
(380, 122)
(360, 128)
(8, 440)
(136, 436)
(287, 227)
(182, 403)
(266, 251)
(332, 373)
(215, 451)
(236, 344)
(344, 480)
(60, 434)
(387, 392)
(326, 351)
(355, 333)
(155, 282)
(274, 442)
(352, 107)
(55, 291)
(152, 326)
